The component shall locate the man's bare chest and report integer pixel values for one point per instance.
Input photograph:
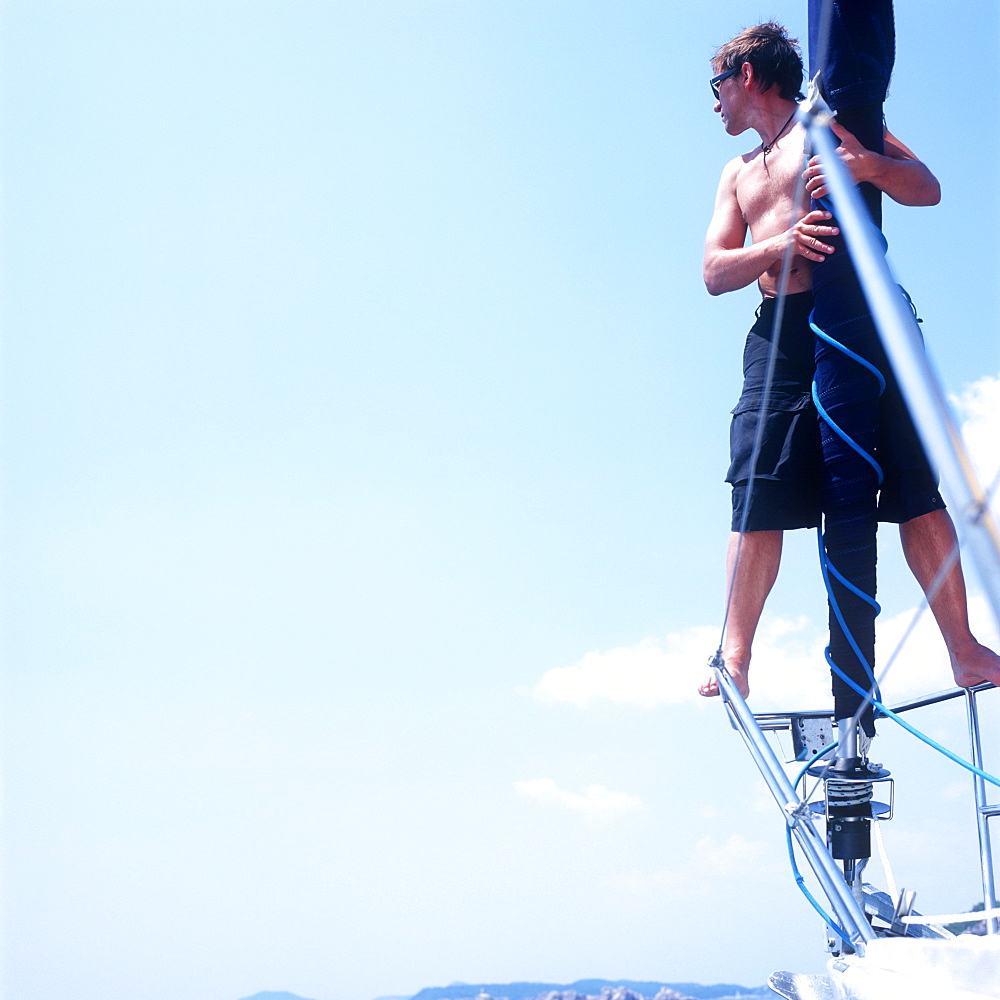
(766, 191)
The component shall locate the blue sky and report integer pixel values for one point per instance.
(364, 423)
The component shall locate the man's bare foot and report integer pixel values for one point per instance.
(710, 689)
(974, 665)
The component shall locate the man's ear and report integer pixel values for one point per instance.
(747, 75)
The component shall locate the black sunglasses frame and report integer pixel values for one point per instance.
(716, 80)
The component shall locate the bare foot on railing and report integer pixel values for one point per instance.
(974, 665)
(738, 672)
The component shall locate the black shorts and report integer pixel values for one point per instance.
(789, 470)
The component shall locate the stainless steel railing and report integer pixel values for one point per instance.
(762, 722)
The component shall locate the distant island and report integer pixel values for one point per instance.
(582, 989)
(594, 989)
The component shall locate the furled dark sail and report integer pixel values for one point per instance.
(852, 46)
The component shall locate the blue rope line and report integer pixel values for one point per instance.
(835, 427)
(857, 591)
(800, 882)
(825, 564)
(913, 731)
(812, 761)
(827, 567)
(875, 694)
(851, 354)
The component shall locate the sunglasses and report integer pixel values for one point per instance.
(716, 80)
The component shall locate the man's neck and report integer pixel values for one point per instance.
(771, 118)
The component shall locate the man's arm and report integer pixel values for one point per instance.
(729, 265)
(897, 172)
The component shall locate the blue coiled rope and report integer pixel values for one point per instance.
(827, 567)
(873, 694)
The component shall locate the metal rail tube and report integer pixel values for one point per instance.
(846, 908)
(982, 820)
(812, 845)
(782, 720)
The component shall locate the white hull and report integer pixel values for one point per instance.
(962, 968)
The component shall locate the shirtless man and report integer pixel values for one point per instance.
(759, 74)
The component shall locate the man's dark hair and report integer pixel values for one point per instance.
(775, 58)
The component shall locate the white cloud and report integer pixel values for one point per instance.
(922, 664)
(978, 407)
(650, 673)
(730, 857)
(788, 669)
(711, 859)
(595, 802)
